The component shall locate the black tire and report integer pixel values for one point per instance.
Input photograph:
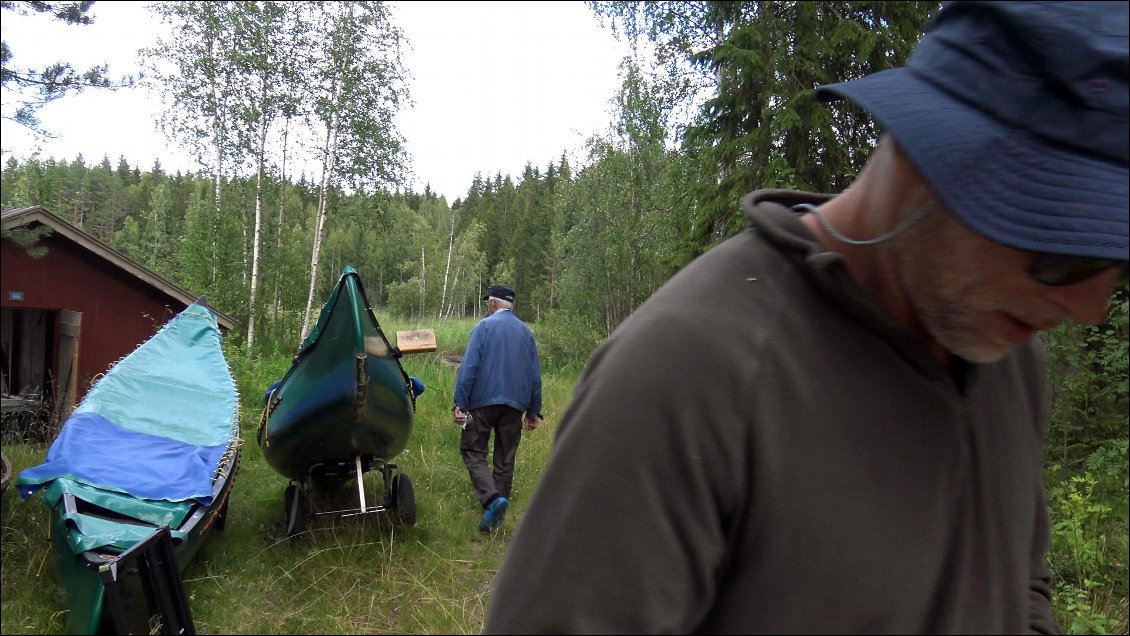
(402, 500)
(295, 510)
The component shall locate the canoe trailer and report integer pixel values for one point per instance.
(314, 494)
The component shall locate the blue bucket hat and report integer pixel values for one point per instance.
(1016, 114)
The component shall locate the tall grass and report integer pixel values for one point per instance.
(355, 575)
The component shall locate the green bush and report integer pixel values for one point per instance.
(565, 340)
(1088, 555)
(254, 373)
(1087, 480)
(1087, 373)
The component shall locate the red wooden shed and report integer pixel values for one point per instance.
(69, 314)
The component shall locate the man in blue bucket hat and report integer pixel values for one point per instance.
(859, 449)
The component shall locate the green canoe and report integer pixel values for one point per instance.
(139, 476)
(343, 408)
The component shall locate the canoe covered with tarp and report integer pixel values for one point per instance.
(344, 407)
(150, 453)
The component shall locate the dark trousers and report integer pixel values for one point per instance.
(506, 422)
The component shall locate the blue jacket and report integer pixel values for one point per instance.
(500, 366)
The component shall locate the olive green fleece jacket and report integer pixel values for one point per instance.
(757, 449)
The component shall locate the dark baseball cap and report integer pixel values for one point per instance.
(500, 291)
(1016, 114)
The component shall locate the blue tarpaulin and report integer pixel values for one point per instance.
(145, 466)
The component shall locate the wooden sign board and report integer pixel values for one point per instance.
(416, 341)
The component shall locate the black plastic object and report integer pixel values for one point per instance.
(144, 591)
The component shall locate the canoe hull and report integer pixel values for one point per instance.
(345, 395)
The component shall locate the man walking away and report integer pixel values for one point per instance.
(500, 377)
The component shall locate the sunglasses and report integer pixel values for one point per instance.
(1061, 269)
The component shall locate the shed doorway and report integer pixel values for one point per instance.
(39, 362)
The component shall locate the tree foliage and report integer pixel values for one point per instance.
(33, 88)
(753, 66)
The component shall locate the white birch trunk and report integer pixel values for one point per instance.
(278, 235)
(217, 134)
(216, 217)
(447, 268)
(328, 160)
(277, 303)
(423, 281)
(454, 290)
(243, 252)
(255, 240)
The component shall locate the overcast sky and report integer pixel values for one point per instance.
(496, 85)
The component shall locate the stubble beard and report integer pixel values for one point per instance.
(951, 305)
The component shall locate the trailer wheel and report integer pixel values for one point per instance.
(402, 500)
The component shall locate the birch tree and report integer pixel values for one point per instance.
(617, 224)
(194, 71)
(447, 267)
(271, 37)
(468, 268)
(359, 87)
